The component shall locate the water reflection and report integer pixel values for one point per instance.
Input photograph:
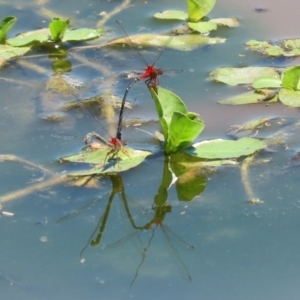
(155, 221)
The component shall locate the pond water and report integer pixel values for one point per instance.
(217, 246)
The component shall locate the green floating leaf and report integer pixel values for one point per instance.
(266, 82)
(235, 76)
(172, 15)
(290, 97)
(229, 22)
(57, 28)
(291, 78)
(247, 98)
(290, 47)
(197, 9)
(21, 41)
(82, 34)
(292, 44)
(182, 43)
(203, 27)
(7, 52)
(124, 160)
(274, 51)
(257, 44)
(5, 26)
(221, 149)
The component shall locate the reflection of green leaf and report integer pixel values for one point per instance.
(5, 26)
(290, 97)
(161, 197)
(190, 185)
(82, 34)
(172, 15)
(291, 78)
(247, 98)
(220, 149)
(235, 76)
(60, 66)
(123, 162)
(182, 43)
(197, 9)
(203, 27)
(266, 82)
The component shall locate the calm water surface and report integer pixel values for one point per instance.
(231, 250)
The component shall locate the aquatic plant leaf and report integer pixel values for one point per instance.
(274, 51)
(235, 76)
(197, 9)
(221, 149)
(179, 126)
(82, 34)
(203, 27)
(181, 43)
(7, 52)
(248, 98)
(291, 78)
(27, 40)
(5, 26)
(183, 130)
(58, 28)
(290, 97)
(266, 82)
(172, 15)
(229, 22)
(289, 47)
(121, 162)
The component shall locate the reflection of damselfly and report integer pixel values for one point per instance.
(171, 239)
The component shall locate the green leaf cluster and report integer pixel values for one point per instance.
(57, 32)
(286, 47)
(269, 84)
(179, 126)
(197, 10)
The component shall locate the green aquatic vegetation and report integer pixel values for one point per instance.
(286, 47)
(179, 129)
(5, 26)
(196, 16)
(57, 32)
(269, 84)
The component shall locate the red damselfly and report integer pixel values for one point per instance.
(114, 145)
(151, 74)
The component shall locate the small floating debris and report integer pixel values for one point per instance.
(44, 239)
(5, 213)
(255, 201)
